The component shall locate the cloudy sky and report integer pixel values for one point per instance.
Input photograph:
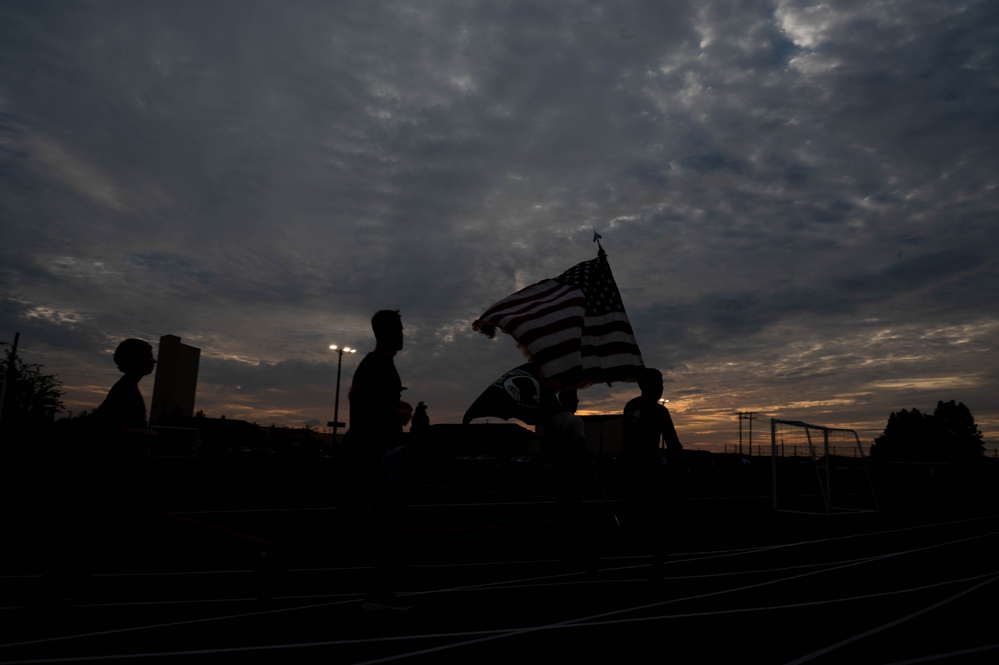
(799, 201)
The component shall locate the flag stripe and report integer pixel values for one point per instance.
(574, 327)
(607, 350)
(615, 337)
(566, 349)
(546, 321)
(548, 307)
(527, 299)
(528, 336)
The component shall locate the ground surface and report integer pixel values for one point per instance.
(492, 573)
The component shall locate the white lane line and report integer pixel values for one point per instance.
(949, 656)
(604, 615)
(516, 632)
(491, 633)
(890, 624)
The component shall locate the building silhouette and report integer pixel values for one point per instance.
(176, 380)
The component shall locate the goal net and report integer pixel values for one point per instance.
(819, 470)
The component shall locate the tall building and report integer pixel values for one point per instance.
(176, 380)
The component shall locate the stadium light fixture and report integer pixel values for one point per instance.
(336, 405)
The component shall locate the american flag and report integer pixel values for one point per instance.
(573, 327)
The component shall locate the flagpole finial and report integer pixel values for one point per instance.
(596, 239)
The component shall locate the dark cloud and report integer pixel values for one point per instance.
(798, 201)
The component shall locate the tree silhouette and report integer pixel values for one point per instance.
(949, 435)
(955, 428)
(31, 398)
(905, 439)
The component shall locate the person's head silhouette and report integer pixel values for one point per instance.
(134, 357)
(650, 382)
(569, 399)
(387, 325)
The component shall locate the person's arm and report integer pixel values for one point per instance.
(669, 432)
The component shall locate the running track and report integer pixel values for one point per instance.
(917, 582)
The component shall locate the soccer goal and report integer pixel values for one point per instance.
(819, 470)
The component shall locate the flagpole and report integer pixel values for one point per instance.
(582, 302)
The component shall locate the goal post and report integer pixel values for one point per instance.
(826, 472)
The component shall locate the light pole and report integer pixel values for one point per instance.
(336, 405)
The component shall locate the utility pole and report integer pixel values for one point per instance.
(750, 416)
(739, 413)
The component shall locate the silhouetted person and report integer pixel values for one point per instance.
(421, 421)
(105, 488)
(121, 417)
(567, 460)
(566, 454)
(377, 418)
(647, 423)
